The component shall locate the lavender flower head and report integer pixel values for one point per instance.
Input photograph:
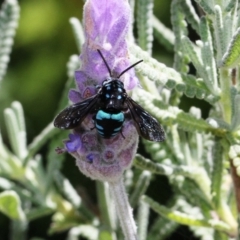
(106, 24)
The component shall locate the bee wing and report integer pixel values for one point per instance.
(146, 125)
(72, 116)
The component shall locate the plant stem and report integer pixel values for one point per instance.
(106, 208)
(123, 209)
(236, 182)
(225, 101)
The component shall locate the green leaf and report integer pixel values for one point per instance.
(220, 36)
(144, 24)
(78, 32)
(14, 132)
(169, 115)
(193, 52)
(105, 207)
(208, 54)
(10, 205)
(162, 75)
(72, 65)
(162, 228)
(9, 16)
(179, 28)
(48, 132)
(87, 231)
(232, 56)
(164, 169)
(36, 213)
(220, 236)
(195, 195)
(4, 153)
(140, 188)
(163, 34)
(22, 134)
(184, 218)
(104, 235)
(143, 220)
(206, 6)
(65, 186)
(204, 70)
(235, 98)
(191, 15)
(231, 4)
(151, 68)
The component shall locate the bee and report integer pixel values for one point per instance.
(109, 107)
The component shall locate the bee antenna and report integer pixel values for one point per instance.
(108, 68)
(129, 68)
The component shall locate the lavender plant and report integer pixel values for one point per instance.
(200, 157)
(8, 22)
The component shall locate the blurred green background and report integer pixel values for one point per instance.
(37, 70)
(37, 73)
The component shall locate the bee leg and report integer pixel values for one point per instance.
(92, 128)
(94, 119)
(122, 134)
(60, 150)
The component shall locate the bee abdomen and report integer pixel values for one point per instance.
(108, 124)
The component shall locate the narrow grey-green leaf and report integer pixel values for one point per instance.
(88, 231)
(140, 188)
(22, 134)
(78, 32)
(10, 205)
(48, 132)
(206, 6)
(218, 235)
(235, 98)
(106, 207)
(191, 15)
(180, 29)
(193, 52)
(163, 34)
(36, 213)
(67, 189)
(184, 218)
(208, 54)
(9, 16)
(164, 169)
(13, 131)
(104, 235)
(173, 115)
(217, 173)
(232, 56)
(163, 228)
(163, 75)
(143, 220)
(231, 4)
(144, 24)
(220, 37)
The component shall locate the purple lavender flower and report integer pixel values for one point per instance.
(106, 24)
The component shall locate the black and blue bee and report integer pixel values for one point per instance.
(109, 106)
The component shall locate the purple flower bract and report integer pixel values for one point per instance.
(106, 24)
